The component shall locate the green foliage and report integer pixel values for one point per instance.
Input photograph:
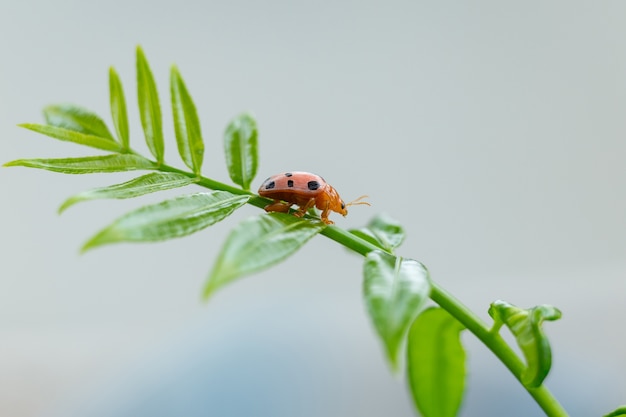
(168, 219)
(75, 119)
(186, 123)
(240, 145)
(526, 327)
(88, 164)
(382, 231)
(395, 289)
(436, 363)
(61, 133)
(146, 184)
(118, 108)
(258, 243)
(621, 411)
(149, 107)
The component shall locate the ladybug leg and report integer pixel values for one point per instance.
(303, 209)
(278, 206)
(325, 218)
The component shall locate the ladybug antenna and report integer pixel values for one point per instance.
(358, 202)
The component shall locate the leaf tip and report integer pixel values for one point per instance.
(14, 163)
(67, 203)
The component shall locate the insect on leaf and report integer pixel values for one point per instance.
(149, 183)
(88, 164)
(77, 119)
(394, 290)
(240, 146)
(258, 243)
(436, 363)
(118, 108)
(526, 327)
(149, 107)
(186, 123)
(168, 219)
(67, 135)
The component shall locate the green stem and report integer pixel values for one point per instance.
(542, 396)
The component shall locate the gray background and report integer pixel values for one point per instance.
(493, 131)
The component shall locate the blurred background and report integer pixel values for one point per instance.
(493, 131)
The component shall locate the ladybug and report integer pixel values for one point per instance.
(305, 190)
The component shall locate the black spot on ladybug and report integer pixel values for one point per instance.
(290, 183)
(270, 185)
(313, 185)
(288, 174)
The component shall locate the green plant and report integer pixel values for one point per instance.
(396, 289)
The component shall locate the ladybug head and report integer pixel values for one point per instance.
(343, 210)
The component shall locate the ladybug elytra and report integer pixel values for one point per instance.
(306, 190)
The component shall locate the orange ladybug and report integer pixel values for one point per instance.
(305, 190)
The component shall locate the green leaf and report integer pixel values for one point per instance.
(77, 119)
(149, 183)
(186, 123)
(382, 231)
(436, 363)
(526, 327)
(621, 411)
(118, 108)
(168, 219)
(240, 146)
(88, 164)
(394, 290)
(149, 108)
(74, 136)
(258, 243)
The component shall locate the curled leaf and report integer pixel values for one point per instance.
(394, 290)
(258, 243)
(436, 363)
(240, 146)
(149, 183)
(88, 164)
(525, 325)
(77, 119)
(186, 123)
(168, 219)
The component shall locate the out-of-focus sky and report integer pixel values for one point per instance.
(493, 131)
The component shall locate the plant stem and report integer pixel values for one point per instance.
(542, 396)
